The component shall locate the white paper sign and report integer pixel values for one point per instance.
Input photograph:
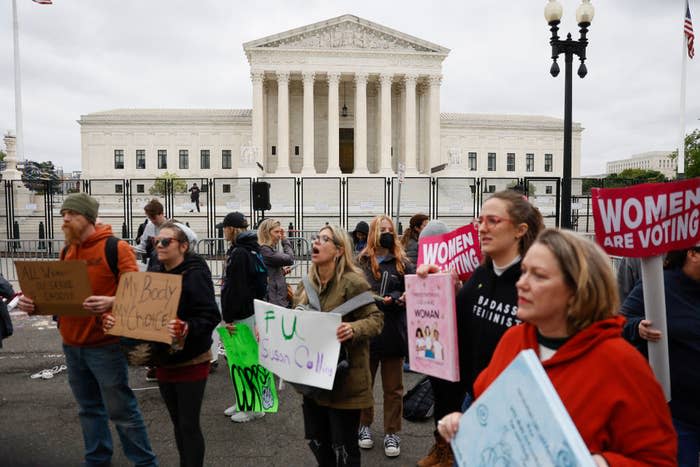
(298, 346)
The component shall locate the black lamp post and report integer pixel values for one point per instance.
(568, 47)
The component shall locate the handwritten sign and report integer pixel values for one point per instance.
(298, 346)
(432, 326)
(57, 287)
(253, 384)
(144, 304)
(459, 250)
(647, 220)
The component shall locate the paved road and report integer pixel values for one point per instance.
(39, 424)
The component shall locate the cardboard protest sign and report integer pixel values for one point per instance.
(57, 287)
(647, 220)
(298, 346)
(432, 326)
(253, 384)
(459, 250)
(144, 304)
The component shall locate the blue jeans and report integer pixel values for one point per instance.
(99, 379)
(688, 443)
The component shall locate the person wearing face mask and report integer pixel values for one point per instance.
(385, 264)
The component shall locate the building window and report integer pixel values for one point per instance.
(140, 188)
(296, 150)
(492, 162)
(118, 158)
(472, 161)
(204, 161)
(184, 159)
(119, 188)
(226, 159)
(492, 189)
(162, 159)
(140, 158)
(274, 150)
(548, 162)
(226, 188)
(548, 190)
(529, 162)
(510, 162)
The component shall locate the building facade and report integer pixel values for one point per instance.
(342, 97)
(661, 161)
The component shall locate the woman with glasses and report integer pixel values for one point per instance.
(331, 419)
(567, 297)
(385, 264)
(487, 303)
(183, 378)
(682, 292)
(277, 253)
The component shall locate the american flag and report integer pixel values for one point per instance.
(43, 2)
(688, 30)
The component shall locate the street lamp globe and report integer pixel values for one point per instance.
(553, 11)
(585, 12)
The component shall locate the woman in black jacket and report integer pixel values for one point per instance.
(385, 264)
(182, 380)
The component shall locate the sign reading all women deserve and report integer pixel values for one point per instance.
(298, 346)
(458, 250)
(647, 220)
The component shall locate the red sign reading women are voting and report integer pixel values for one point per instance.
(647, 220)
(459, 250)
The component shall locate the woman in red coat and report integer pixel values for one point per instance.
(567, 297)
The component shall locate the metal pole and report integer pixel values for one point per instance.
(655, 311)
(566, 176)
(18, 86)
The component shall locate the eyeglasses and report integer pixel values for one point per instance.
(490, 221)
(164, 241)
(324, 239)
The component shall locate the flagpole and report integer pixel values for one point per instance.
(681, 144)
(18, 87)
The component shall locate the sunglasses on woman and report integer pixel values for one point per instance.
(164, 241)
(322, 238)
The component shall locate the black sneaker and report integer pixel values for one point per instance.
(151, 374)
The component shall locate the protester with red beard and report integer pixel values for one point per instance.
(97, 369)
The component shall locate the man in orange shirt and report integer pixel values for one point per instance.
(97, 369)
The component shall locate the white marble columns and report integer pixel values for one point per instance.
(433, 134)
(258, 116)
(283, 122)
(360, 150)
(410, 122)
(308, 125)
(333, 125)
(385, 123)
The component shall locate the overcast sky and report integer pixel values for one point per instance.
(83, 56)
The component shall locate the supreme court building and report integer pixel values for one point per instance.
(342, 97)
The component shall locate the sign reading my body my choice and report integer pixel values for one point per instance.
(298, 346)
(144, 304)
(458, 250)
(647, 220)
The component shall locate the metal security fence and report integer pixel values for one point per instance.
(300, 203)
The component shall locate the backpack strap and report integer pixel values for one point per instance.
(112, 255)
(62, 254)
(365, 298)
(311, 293)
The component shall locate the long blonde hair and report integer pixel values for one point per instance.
(369, 253)
(264, 229)
(343, 265)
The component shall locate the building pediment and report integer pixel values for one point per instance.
(345, 32)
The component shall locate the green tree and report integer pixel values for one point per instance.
(2, 155)
(40, 177)
(692, 154)
(178, 184)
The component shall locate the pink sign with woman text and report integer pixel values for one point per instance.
(432, 326)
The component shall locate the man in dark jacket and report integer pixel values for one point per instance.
(238, 285)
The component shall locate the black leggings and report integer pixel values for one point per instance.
(184, 402)
(332, 434)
